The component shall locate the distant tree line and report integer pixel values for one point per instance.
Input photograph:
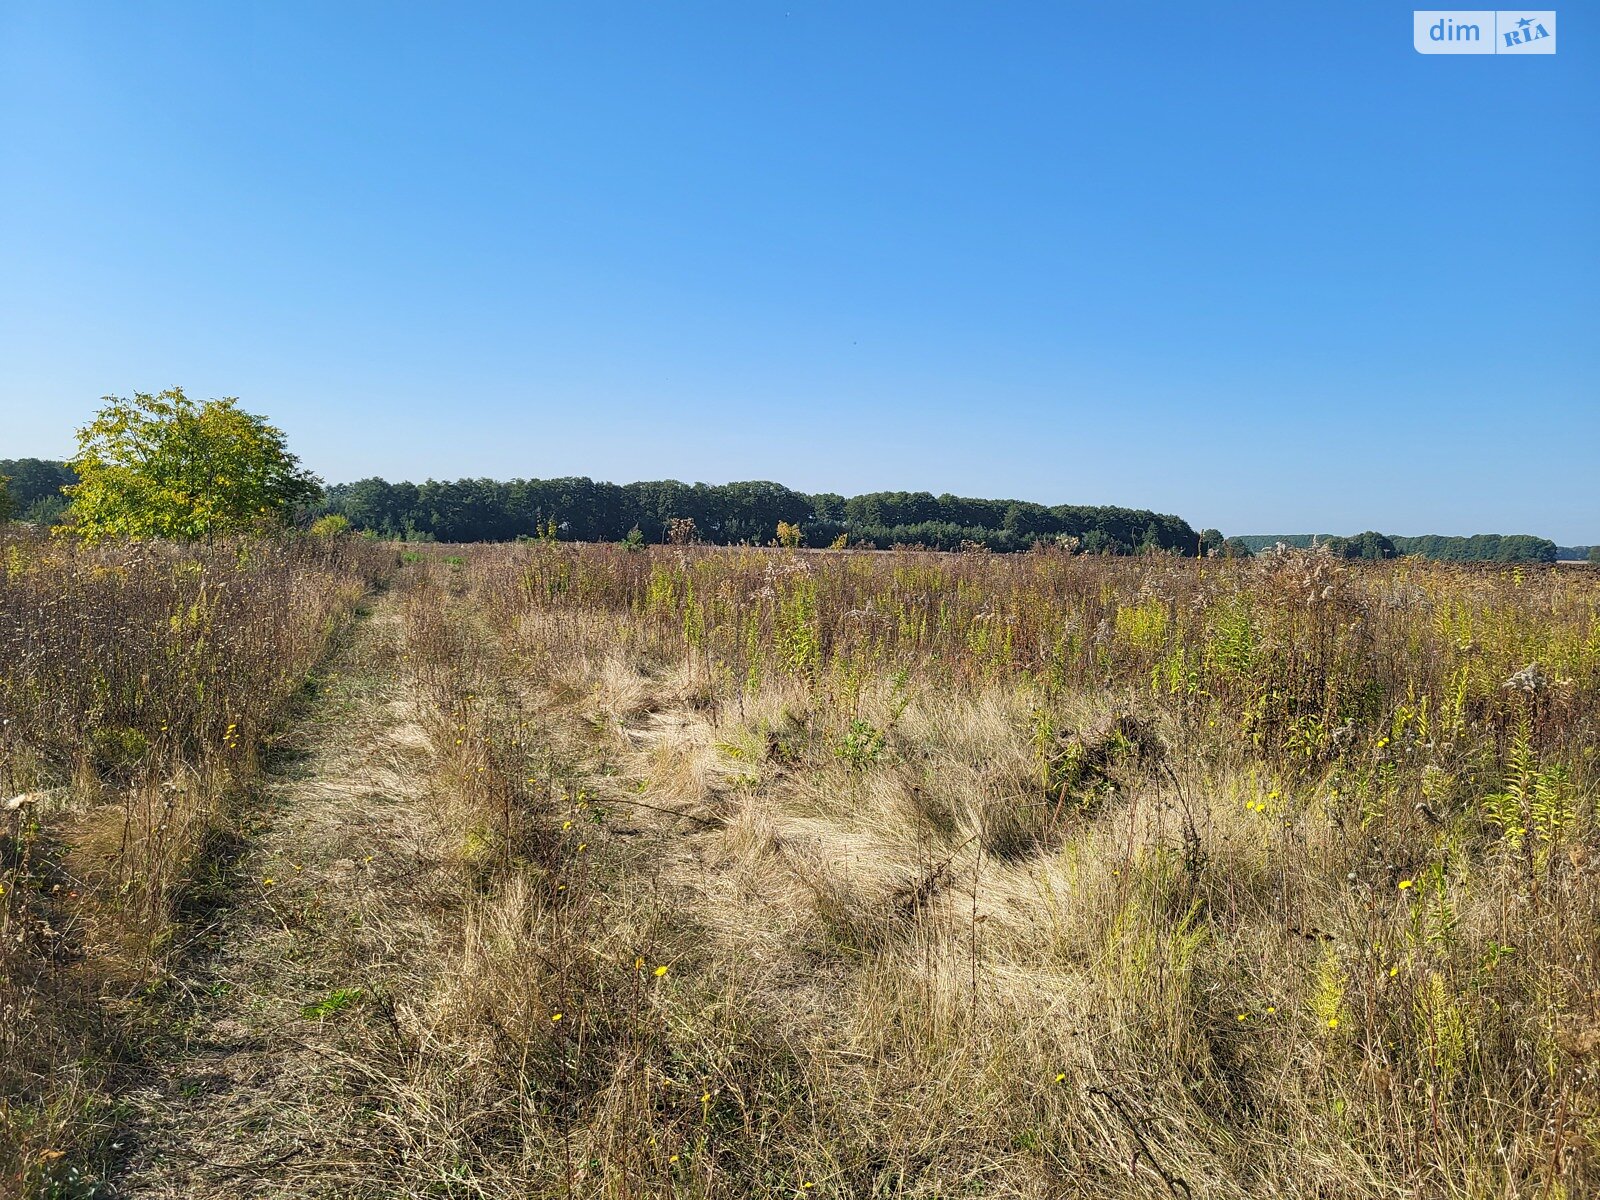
(34, 486)
(1480, 547)
(579, 509)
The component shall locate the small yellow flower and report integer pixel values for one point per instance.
(566, 824)
(1393, 971)
(1333, 1022)
(661, 970)
(1061, 1076)
(554, 1017)
(268, 881)
(1241, 1016)
(705, 1098)
(1271, 1009)
(673, 1159)
(582, 846)
(1405, 883)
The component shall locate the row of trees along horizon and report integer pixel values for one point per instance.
(141, 459)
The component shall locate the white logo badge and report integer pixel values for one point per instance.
(1483, 31)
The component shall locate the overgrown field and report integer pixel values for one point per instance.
(138, 684)
(754, 873)
(903, 874)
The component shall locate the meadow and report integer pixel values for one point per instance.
(139, 684)
(753, 872)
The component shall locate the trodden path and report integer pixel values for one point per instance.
(265, 1089)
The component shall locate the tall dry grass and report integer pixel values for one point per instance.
(926, 875)
(138, 684)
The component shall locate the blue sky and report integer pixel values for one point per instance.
(1261, 265)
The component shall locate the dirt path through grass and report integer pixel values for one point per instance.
(289, 985)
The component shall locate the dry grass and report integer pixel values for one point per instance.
(760, 873)
(140, 683)
(1030, 877)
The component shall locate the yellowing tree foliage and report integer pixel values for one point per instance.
(164, 466)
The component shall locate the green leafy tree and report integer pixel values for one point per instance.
(1237, 548)
(164, 466)
(1369, 545)
(5, 498)
(1594, 555)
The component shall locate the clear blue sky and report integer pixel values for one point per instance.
(1261, 265)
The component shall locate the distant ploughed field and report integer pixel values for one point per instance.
(343, 868)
